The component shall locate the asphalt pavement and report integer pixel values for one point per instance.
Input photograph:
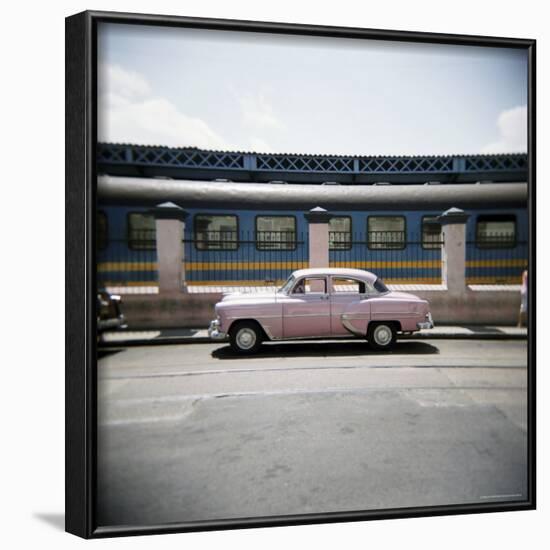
(196, 432)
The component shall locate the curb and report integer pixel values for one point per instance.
(179, 340)
(156, 342)
(476, 336)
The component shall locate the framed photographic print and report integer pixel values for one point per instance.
(300, 274)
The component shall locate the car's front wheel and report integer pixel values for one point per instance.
(381, 336)
(245, 337)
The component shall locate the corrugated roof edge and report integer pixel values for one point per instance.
(316, 155)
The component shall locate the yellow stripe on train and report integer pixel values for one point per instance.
(394, 281)
(494, 280)
(433, 264)
(496, 263)
(129, 283)
(245, 265)
(213, 266)
(126, 266)
(279, 282)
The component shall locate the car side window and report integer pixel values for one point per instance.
(310, 285)
(345, 285)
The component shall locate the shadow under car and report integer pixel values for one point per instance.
(312, 348)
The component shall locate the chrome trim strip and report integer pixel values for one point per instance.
(255, 317)
(348, 326)
(306, 315)
(385, 316)
(312, 337)
(357, 316)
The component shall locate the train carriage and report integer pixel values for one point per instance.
(239, 233)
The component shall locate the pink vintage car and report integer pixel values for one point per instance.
(314, 303)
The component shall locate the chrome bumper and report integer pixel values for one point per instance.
(115, 323)
(214, 331)
(429, 323)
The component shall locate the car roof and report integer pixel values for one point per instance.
(339, 271)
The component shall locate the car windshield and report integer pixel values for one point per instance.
(380, 286)
(285, 289)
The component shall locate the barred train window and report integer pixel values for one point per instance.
(339, 229)
(431, 232)
(275, 232)
(101, 230)
(386, 232)
(141, 231)
(214, 232)
(496, 231)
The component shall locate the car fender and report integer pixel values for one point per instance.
(268, 316)
(356, 317)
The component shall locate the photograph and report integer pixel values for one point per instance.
(312, 255)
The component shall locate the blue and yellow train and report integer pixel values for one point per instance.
(250, 233)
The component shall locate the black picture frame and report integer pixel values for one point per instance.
(81, 386)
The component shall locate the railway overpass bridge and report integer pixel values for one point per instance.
(191, 163)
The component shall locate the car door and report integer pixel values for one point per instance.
(343, 292)
(306, 310)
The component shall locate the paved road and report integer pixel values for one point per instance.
(192, 432)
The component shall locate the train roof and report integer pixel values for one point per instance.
(258, 196)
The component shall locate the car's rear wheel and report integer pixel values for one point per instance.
(381, 336)
(245, 337)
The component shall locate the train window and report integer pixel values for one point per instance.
(275, 232)
(386, 232)
(496, 231)
(141, 231)
(339, 228)
(102, 234)
(431, 232)
(216, 232)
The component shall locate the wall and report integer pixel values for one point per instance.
(197, 310)
(483, 307)
(147, 311)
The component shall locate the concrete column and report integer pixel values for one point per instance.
(318, 219)
(453, 254)
(170, 228)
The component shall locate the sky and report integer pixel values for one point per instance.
(238, 91)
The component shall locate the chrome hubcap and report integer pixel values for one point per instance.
(246, 338)
(382, 335)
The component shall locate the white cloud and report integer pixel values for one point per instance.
(258, 112)
(116, 80)
(260, 145)
(129, 112)
(512, 125)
